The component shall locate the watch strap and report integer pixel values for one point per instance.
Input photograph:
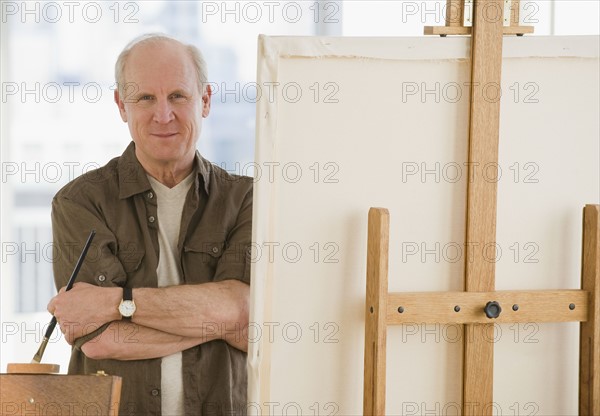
(127, 296)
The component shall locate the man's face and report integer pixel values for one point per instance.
(162, 105)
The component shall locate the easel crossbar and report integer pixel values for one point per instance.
(531, 306)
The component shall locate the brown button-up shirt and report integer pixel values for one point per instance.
(214, 244)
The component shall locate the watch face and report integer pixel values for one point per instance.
(127, 308)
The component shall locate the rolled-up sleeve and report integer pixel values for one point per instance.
(71, 226)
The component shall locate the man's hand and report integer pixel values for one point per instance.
(85, 308)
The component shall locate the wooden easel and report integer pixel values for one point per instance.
(50, 394)
(383, 309)
(477, 306)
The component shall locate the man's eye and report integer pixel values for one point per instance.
(177, 96)
(145, 98)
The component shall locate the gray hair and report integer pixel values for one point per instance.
(194, 52)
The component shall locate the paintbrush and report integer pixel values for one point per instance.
(37, 358)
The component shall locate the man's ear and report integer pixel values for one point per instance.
(206, 101)
(121, 106)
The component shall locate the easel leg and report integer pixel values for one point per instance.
(589, 342)
(376, 312)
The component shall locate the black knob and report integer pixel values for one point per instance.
(492, 309)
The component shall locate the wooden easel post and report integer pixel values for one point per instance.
(589, 341)
(455, 13)
(376, 309)
(484, 131)
(515, 13)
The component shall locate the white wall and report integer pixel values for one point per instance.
(389, 128)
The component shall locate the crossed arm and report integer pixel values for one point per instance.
(167, 320)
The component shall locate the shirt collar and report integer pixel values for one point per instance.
(133, 179)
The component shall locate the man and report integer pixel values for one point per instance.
(162, 298)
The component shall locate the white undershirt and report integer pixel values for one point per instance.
(170, 207)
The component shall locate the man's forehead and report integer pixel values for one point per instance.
(160, 61)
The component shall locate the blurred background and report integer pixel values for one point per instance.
(58, 119)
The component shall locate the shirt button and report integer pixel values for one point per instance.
(101, 278)
(155, 392)
(150, 195)
(215, 250)
(151, 219)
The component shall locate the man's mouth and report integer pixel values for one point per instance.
(163, 135)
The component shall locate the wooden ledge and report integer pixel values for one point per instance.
(466, 30)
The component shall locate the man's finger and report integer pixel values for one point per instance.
(50, 308)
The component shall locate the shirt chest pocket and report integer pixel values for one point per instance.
(201, 257)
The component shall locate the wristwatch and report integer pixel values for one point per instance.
(127, 305)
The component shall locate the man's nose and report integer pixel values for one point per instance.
(163, 111)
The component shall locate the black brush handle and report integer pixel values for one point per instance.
(88, 243)
(71, 281)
